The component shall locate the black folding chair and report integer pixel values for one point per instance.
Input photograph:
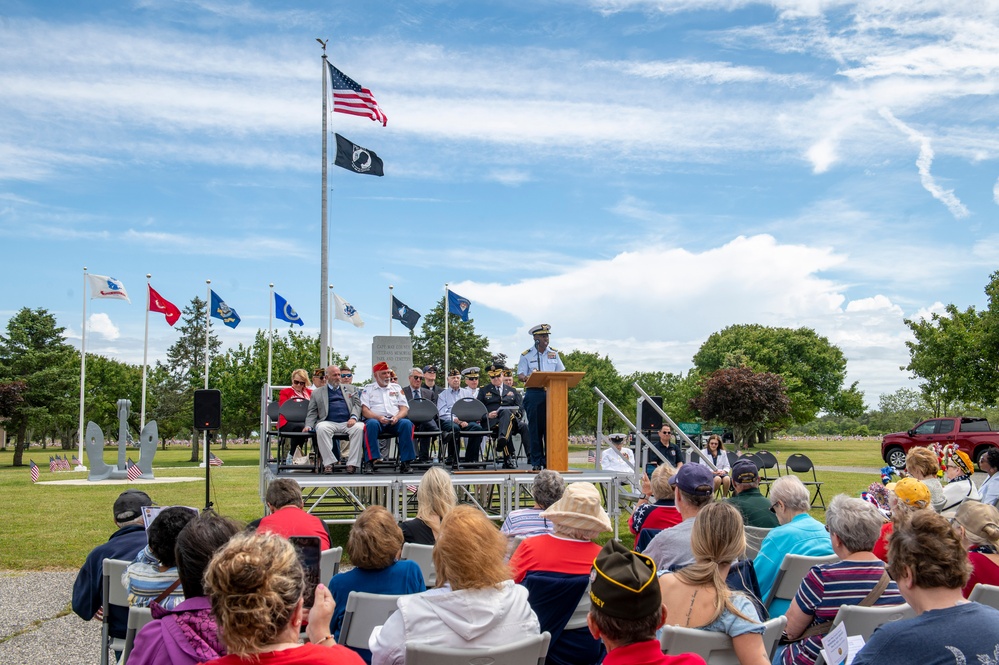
(294, 411)
(473, 411)
(423, 415)
(799, 463)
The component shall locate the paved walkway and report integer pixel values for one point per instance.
(37, 624)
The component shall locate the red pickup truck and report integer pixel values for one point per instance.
(972, 435)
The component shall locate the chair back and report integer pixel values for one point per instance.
(799, 463)
(793, 569)
(986, 594)
(645, 537)
(114, 594)
(561, 602)
(423, 556)
(863, 621)
(295, 410)
(469, 410)
(422, 411)
(533, 649)
(714, 648)
(137, 618)
(329, 564)
(773, 629)
(768, 461)
(363, 612)
(754, 540)
(273, 411)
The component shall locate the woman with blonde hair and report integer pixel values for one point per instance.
(475, 604)
(435, 498)
(978, 526)
(697, 596)
(255, 584)
(922, 464)
(657, 508)
(906, 497)
(299, 389)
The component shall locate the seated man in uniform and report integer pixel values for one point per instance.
(384, 408)
(450, 425)
(503, 405)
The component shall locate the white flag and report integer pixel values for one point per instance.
(107, 287)
(346, 312)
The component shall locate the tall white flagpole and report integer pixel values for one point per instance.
(83, 368)
(446, 321)
(391, 312)
(324, 343)
(145, 359)
(270, 337)
(329, 361)
(208, 337)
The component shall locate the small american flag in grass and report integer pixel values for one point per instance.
(34, 472)
(132, 470)
(214, 460)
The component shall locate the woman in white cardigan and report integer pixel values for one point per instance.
(475, 605)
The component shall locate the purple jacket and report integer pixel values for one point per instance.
(185, 635)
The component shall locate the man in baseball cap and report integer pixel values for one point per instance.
(746, 496)
(693, 487)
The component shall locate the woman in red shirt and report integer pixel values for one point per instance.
(978, 525)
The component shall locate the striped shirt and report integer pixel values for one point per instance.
(526, 522)
(825, 588)
(144, 581)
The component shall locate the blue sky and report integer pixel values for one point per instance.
(637, 173)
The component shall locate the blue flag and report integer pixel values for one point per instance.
(458, 305)
(286, 312)
(220, 310)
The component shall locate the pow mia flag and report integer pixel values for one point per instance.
(357, 159)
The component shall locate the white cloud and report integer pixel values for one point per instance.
(995, 192)
(924, 162)
(926, 313)
(101, 324)
(635, 208)
(698, 71)
(510, 177)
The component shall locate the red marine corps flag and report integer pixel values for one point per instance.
(158, 303)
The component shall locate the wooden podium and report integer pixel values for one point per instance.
(556, 385)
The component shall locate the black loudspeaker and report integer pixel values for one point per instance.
(207, 410)
(651, 419)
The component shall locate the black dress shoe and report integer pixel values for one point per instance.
(405, 467)
(368, 467)
(536, 467)
(509, 464)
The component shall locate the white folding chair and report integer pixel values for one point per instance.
(137, 618)
(114, 594)
(754, 540)
(363, 612)
(792, 571)
(715, 648)
(423, 555)
(863, 621)
(986, 594)
(329, 564)
(534, 649)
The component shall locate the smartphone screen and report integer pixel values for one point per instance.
(309, 551)
(650, 468)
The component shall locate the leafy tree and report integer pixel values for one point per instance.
(676, 390)
(812, 368)
(33, 352)
(600, 373)
(108, 381)
(467, 349)
(743, 398)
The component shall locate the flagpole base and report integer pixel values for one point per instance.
(201, 466)
(79, 468)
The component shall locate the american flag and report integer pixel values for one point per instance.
(591, 457)
(76, 461)
(349, 97)
(132, 470)
(34, 472)
(63, 463)
(53, 465)
(215, 461)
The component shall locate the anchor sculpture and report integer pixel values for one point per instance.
(95, 447)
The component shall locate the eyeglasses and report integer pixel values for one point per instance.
(347, 375)
(319, 378)
(298, 383)
(416, 376)
(773, 507)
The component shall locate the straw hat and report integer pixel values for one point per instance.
(579, 508)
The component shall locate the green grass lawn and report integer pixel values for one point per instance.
(52, 527)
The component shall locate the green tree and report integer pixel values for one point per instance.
(467, 349)
(109, 380)
(600, 373)
(747, 400)
(899, 411)
(33, 352)
(813, 369)
(676, 390)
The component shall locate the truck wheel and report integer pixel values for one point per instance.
(895, 456)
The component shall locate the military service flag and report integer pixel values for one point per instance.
(286, 312)
(400, 312)
(458, 305)
(354, 158)
(220, 310)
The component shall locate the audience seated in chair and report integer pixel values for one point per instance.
(627, 608)
(125, 544)
(746, 496)
(415, 390)
(693, 487)
(187, 634)
(978, 526)
(451, 426)
(578, 519)
(930, 565)
(922, 464)
(904, 498)
(435, 498)
(715, 451)
(960, 487)
(152, 575)
(255, 584)
(476, 604)
(299, 389)
(697, 596)
(858, 578)
(547, 488)
(288, 516)
(373, 544)
(657, 507)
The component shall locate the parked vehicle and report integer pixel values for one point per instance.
(972, 435)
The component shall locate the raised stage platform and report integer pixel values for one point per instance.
(340, 497)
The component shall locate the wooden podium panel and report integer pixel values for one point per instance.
(556, 385)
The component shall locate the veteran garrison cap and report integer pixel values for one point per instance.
(453, 372)
(623, 583)
(541, 329)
